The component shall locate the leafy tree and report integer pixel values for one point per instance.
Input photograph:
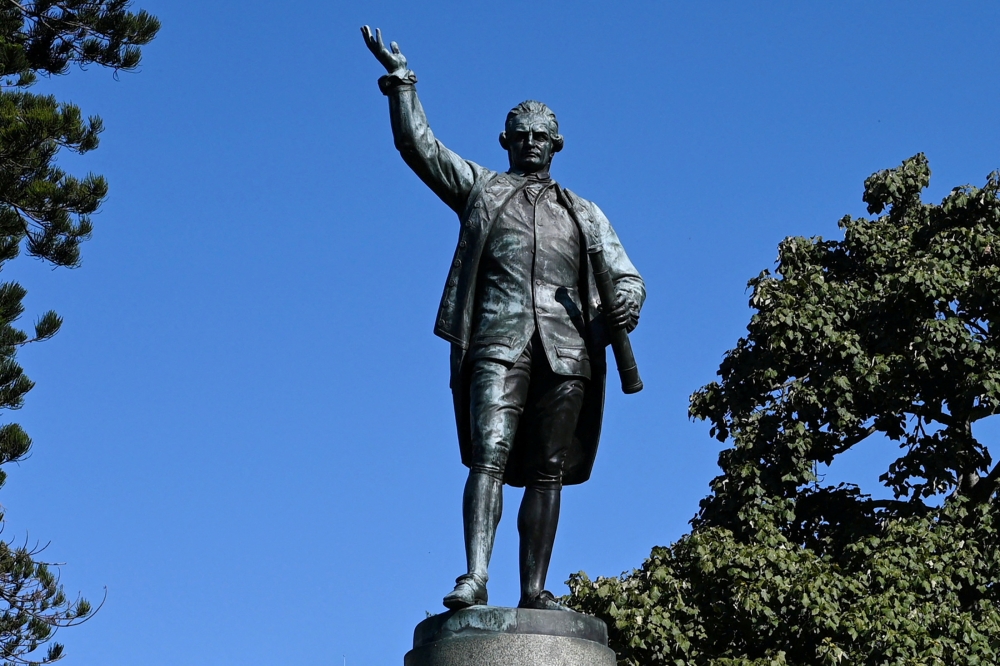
(46, 212)
(892, 332)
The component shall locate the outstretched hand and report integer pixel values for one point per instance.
(392, 60)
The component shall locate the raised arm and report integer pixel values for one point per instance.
(448, 175)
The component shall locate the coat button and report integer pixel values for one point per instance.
(462, 243)
(458, 262)
(479, 204)
(453, 281)
(538, 282)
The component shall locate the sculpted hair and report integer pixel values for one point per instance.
(532, 108)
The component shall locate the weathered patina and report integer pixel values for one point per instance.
(527, 328)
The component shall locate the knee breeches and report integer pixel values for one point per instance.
(529, 397)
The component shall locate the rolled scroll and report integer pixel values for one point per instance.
(620, 345)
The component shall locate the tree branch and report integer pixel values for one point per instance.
(982, 411)
(987, 485)
(898, 505)
(933, 413)
(851, 441)
(976, 326)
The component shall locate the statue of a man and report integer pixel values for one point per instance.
(524, 319)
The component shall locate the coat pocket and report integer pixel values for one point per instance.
(574, 353)
(485, 340)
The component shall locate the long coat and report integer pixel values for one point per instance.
(478, 195)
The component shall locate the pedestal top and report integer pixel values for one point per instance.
(486, 620)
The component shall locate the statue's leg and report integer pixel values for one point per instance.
(498, 392)
(482, 505)
(554, 404)
(536, 524)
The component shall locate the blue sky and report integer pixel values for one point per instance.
(244, 429)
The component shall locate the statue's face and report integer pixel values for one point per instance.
(529, 143)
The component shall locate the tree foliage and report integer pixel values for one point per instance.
(892, 332)
(45, 211)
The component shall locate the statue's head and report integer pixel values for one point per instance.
(531, 137)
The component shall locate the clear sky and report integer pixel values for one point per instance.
(244, 430)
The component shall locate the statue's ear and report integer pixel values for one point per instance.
(503, 140)
(557, 143)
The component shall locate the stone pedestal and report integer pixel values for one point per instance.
(494, 636)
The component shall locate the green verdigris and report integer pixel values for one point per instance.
(527, 323)
(892, 332)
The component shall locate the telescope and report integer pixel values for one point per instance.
(620, 344)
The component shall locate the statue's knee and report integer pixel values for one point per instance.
(546, 477)
(490, 458)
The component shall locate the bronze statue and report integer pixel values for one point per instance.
(522, 311)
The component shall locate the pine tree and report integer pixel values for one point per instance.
(46, 213)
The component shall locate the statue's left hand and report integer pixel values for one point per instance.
(623, 315)
(392, 60)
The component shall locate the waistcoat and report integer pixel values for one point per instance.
(528, 280)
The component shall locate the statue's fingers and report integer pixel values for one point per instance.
(395, 47)
(378, 36)
(369, 39)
